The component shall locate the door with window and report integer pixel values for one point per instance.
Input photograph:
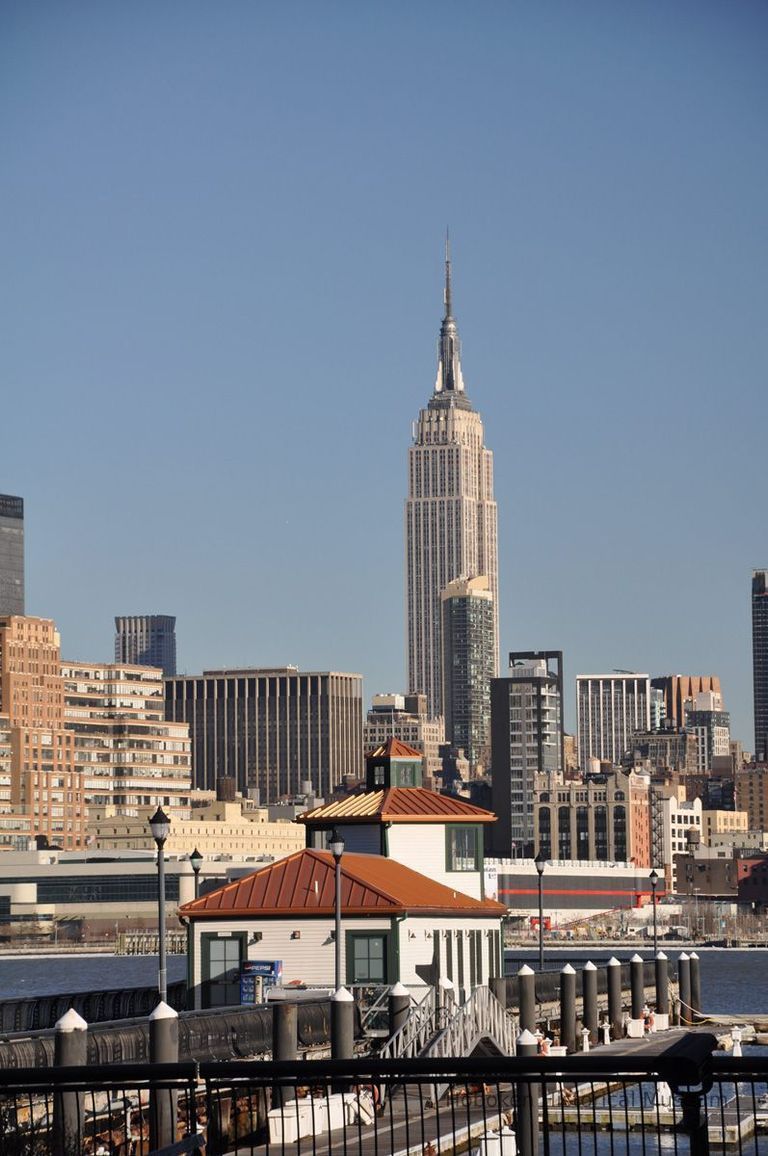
(221, 962)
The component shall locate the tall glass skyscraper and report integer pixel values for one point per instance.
(760, 660)
(11, 555)
(450, 513)
(147, 640)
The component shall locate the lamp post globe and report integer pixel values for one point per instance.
(196, 860)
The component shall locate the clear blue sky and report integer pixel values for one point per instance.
(222, 230)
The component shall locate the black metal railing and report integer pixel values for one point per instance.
(612, 1101)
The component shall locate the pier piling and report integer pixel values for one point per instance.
(527, 1095)
(70, 1049)
(163, 1049)
(662, 991)
(399, 1006)
(526, 998)
(684, 988)
(695, 987)
(589, 994)
(568, 1008)
(614, 998)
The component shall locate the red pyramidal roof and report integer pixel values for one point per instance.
(399, 805)
(395, 749)
(305, 882)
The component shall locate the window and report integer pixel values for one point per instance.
(462, 848)
(367, 957)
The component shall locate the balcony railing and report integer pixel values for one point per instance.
(612, 1100)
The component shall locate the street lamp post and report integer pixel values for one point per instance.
(160, 825)
(539, 863)
(654, 880)
(336, 845)
(196, 859)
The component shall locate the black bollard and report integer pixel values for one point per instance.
(695, 988)
(399, 1005)
(526, 998)
(527, 1101)
(285, 1032)
(163, 1049)
(684, 988)
(637, 986)
(498, 986)
(342, 1025)
(662, 992)
(285, 1044)
(70, 1050)
(614, 998)
(568, 1008)
(589, 992)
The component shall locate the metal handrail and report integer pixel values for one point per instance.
(480, 1015)
(411, 1039)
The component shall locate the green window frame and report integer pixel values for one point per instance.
(463, 847)
(369, 957)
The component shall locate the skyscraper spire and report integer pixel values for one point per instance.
(449, 377)
(447, 295)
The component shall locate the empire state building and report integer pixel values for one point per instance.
(450, 514)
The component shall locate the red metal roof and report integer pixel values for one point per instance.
(399, 805)
(395, 749)
(305, 883)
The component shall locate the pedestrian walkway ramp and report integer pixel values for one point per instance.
(478, 1026)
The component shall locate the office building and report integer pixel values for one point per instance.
(11, 555)
(668, 749)
(405, 718)
(130, 758)
(271, 730)
(146, 640)
(760, 661)
(526, 741)
(751, 794)
(600, 818)
(46, 791)
(450, 513)
(610, 709)
(679, 690)
(469, 664)
(237, 825)
(706, 719)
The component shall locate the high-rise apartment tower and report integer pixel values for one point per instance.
(146, 640)
(469, 664)
(760, 660)
(11, 555)
(527, 741)
(450, 513)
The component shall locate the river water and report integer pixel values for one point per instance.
(731, 980)
(55, 974)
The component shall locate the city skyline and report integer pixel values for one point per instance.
(222, 293)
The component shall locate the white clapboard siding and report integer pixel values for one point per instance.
(421, 846)
(309, 959)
